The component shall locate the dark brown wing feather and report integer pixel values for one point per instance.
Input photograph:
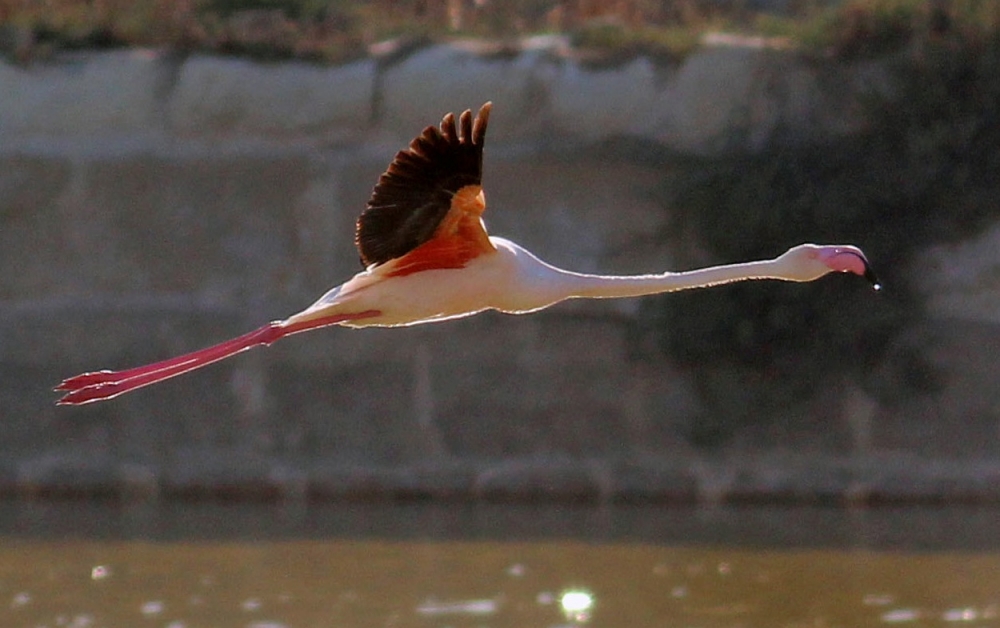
(414, 194)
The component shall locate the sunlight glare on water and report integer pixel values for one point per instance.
(576, 605)
(558, 583)
(485, 567)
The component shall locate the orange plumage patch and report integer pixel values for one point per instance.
(421, 187)
(459, 238)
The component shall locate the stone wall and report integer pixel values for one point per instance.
(151, 204)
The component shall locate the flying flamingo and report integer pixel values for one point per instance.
(428, 258)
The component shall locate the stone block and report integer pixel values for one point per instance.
(32, 422)
(67, 473)
(704, 109)
(227, 96)
(538, 479)
(360, 414)
(224, 226)
(562, 214)
(417, 90)
(961, 280)
(219, 471)
(85, 94)
(593, 104)
(647, 480)
(942, 400)
(438, 479)
(36, 234)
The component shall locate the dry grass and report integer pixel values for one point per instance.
(334, 30)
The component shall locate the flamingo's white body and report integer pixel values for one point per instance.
(514, 281)
(429, 259)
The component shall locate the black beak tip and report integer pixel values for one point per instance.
(872, 278)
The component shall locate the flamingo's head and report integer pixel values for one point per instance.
(812, 261)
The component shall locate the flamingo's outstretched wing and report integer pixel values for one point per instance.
(431, 191)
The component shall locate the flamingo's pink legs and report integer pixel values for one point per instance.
(101, 385)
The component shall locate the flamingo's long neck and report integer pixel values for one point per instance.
(581, 285)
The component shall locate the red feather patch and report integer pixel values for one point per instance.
(459, 238)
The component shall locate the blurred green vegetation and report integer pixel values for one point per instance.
(866, 28)
(925, 170)
(334, 30)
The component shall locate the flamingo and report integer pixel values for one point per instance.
(428, 258)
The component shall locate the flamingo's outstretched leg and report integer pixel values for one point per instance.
(101, 385)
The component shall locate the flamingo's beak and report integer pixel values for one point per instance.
(871, 277)
(850, 259)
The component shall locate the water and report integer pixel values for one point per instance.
(83, 564)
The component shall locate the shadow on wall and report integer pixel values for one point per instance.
(926, 170)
